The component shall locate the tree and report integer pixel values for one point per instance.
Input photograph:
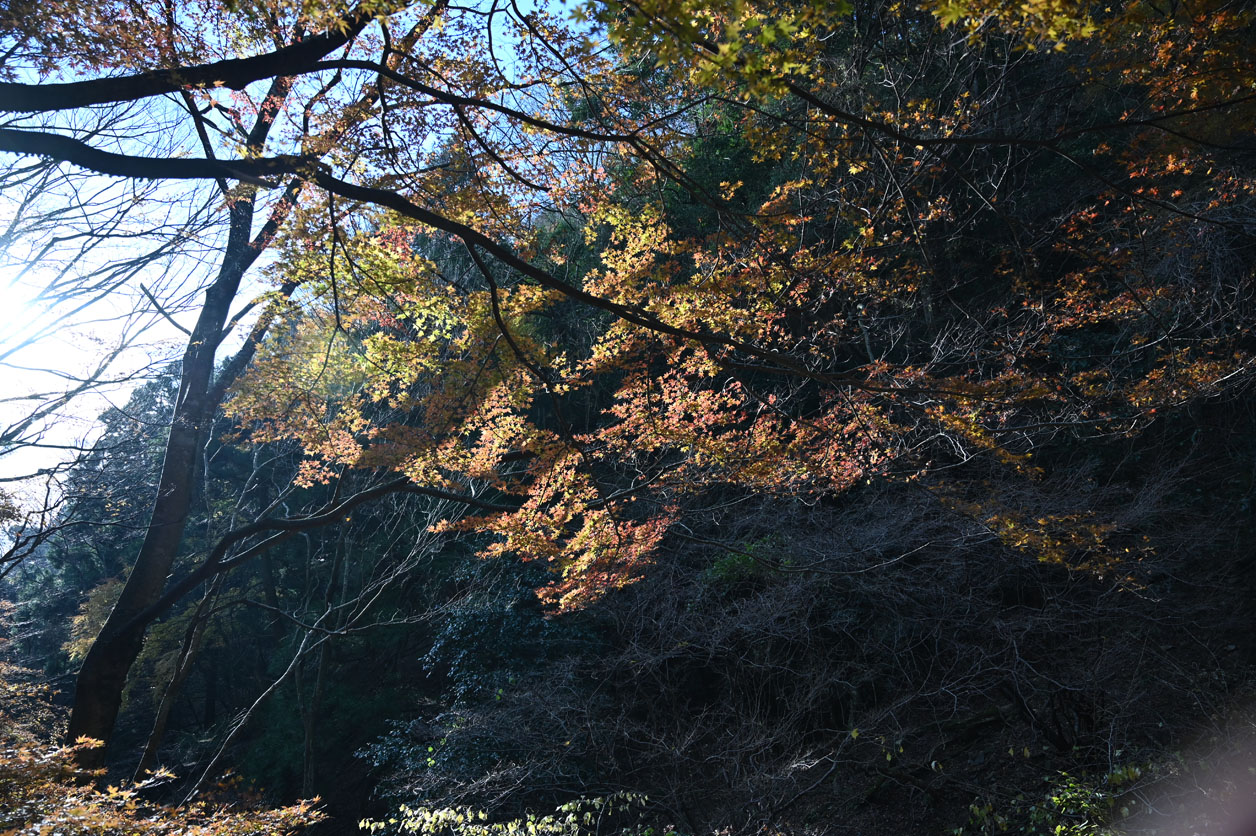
(332, 109)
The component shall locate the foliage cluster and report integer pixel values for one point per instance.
(570, 819)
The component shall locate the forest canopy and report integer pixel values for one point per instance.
(701, 416)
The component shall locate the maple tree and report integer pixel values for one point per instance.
(315, 119)
(532, 288)
(907, 280)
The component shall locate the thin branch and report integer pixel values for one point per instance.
(161, 310)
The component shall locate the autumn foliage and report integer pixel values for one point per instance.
(888, 281)
(43, 791)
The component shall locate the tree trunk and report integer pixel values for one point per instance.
(98, 689)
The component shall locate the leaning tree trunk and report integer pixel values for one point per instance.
(102, 678)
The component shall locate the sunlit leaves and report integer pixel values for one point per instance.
(869, 290)
(42, 790)
(1051, 21)
(758, 43)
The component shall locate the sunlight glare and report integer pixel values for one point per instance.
(16, 296)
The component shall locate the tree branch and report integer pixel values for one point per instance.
(66, 149)
(235, 73)
(283, 528)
